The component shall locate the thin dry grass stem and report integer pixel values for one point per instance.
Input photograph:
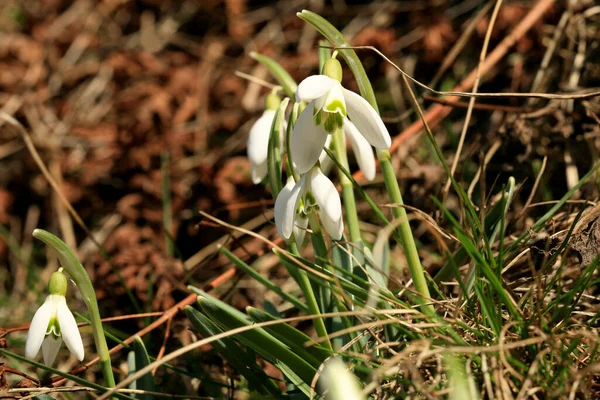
(255, 80)
(38, 160)
(538, 179)
(463, 134)
(501, 341)
(550, 50)
(163, 347)
(265, 240)
(477, 106)
(515, 260)
(213, 247)
(75, 389)
(65, 223)
(454, 52)
(487, 382)
(488, 157)
(533, 369)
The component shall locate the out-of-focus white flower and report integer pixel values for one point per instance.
(258, 139)
(340, 383)
(316, 192)
(52, 323)
(331, 107)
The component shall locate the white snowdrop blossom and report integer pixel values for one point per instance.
(317, 193)
(258, 139)
(331, 107)
(52, 323)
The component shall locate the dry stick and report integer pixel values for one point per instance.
(478, 106)
(167, 315)
(161, 352)
(463, 134)
(460, 44)
(437, 112)
(558, 31)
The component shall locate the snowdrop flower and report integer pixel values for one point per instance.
(52, 323)
(258, 140)
(332, 107)
(317, 193)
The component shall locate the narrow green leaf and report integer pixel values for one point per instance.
(259, 278)
(349, 55)
(292, 337)
(228, 318)
(239, 359)
(279, 73)
(146, 382)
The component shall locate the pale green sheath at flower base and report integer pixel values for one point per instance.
(71, 264)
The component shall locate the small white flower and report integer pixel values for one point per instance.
(313, 187)
(258, 145)
(331, 107)
(52, 323)
(258, 139)
(340, 383)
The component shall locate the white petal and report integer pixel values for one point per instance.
(313, 87)
(334, 100)
(324, 160)
(258, 145)
(307, 141)
(50, 349)
(38, 328)
(329, 202)
(367, 121)
(300, 226)
(362, 150)
(340, 382)
(286, 205)
(69, 330)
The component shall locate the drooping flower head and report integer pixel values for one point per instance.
(52, 323)
(317, 193)
(331, 107)
(258, 139)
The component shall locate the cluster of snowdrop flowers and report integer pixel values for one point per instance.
(330, 108)
(333, 107)
(52, 323)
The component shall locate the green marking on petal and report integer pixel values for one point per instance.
(53, 328)
(336, 106)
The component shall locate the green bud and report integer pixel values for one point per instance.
(333, 69)
(58, 284)
(272, 101)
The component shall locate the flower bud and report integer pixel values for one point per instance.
(333, 69)
(58, 284)
(272, 101)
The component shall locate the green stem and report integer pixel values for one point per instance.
(408, 241)
(70, 262)
(347, 190)
(311, 299)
